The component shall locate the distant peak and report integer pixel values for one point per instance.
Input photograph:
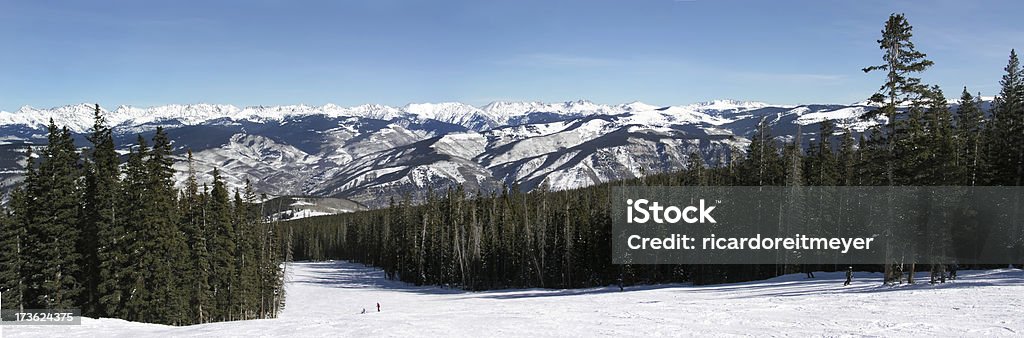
(725, 104)
(639, 106)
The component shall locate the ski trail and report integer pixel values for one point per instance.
(326, 299)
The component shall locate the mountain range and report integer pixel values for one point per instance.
(368, 153)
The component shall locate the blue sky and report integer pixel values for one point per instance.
(349, 52)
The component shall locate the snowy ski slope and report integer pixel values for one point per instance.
(327, 298)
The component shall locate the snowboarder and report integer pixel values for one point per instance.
(849, 276)
(378, 307)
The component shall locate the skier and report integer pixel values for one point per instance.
(849, 276)
(364, 311)
(952, 270)
(807, 270)
(899, 273)
(378, 307)
(620, 284)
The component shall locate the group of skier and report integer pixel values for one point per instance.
(849, 274)
(939, 273)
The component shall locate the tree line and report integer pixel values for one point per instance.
(562, 239)
(119, 240)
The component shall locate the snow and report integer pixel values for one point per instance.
(675, 115)
(579, 175)
(728, 105)
(308, 213)
(326, 298)
(424, 175)
(126, 118)
(554, 142)
(301, 202)
(451, 112)
(503, 136)
(352, 156)
(274, 168)
(504, 111)
(369, 175)
(533, 167)
(849, 117)
(638, 106)
(78, 117)
(466, 145)
(501, 112)
(806, 117)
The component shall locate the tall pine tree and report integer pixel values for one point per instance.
(10, 255)
(104, 251)
(222, 246)
(53, 197)
(970, 140)
(135, 294)
(901, 60)
(193, 225)
(1007, 154)
(166, 243)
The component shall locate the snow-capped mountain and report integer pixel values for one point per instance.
(368, 153)
(79, 117)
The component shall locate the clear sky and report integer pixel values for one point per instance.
(349, 52)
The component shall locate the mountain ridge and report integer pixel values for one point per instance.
(369, 153)
(78, 117)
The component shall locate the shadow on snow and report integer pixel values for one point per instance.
(348, 275)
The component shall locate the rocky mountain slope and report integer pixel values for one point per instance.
(369, 153)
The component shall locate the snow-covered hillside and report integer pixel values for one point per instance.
(326, 299)
(371, 153)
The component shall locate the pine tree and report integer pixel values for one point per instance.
(763, 166)
(126, 247)
(222, 246)
(970, 140)
(166, 242)
(911, 153)
(847, 160)
(1007, 154)
(135, 294)
(10, 255)
(270, 273)
(793, 157)
(901, 60)
(941, 166)
(53, 201)
(22, 216)
(696, 172)
(823, 165)
(196, 274)
(104, 253)
(246, 237)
